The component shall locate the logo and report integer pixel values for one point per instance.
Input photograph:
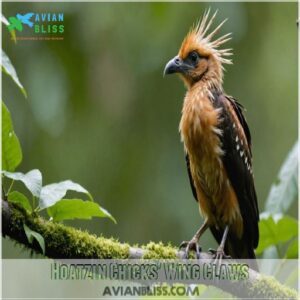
(39, 26)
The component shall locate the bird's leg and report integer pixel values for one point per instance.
(192, 245)
(219, 253)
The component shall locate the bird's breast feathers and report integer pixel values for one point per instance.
(199, 119)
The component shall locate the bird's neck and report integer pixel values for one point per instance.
(205, 89)
(210, 82)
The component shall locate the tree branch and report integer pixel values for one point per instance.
(67, 242)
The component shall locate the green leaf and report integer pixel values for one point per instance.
(17, 197)
(292, 251)
(11, 149)
(34, 235)
(274, 232)
(32, 180)
(283, 193)
(9, 69)
(67, 209)
(4, 20)
(52, 193)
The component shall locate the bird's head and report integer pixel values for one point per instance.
(199, 58)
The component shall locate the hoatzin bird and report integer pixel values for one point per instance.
(217, 145)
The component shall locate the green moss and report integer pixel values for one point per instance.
(76, 243)
(269, 288)
(67, 242)
(159, 251)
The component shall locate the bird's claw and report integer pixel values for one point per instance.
(189, 246)
(218, 255)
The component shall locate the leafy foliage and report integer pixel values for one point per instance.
(52, 193)
(11, 149)
(31, 235)
(285, 190)
(9, 69)
(292, 250)
(275, 230)
(49, 196)
(4, 20)
(279, 232)
(67, 209)
(32, 180)
(21, 199)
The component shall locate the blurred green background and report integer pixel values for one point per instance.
(99, 111)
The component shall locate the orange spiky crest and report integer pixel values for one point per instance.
(198, 39)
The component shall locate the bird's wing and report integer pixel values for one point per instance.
(236, 144)
(238, 107)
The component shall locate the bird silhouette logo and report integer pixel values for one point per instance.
(17, 22)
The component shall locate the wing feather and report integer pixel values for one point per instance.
(237, 162)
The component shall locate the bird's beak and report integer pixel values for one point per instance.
(175, 65)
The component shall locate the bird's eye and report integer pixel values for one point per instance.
(194, 56)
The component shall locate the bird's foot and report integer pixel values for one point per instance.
(189, 246)
(218, 255)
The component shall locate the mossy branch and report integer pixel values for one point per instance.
(67, 242)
